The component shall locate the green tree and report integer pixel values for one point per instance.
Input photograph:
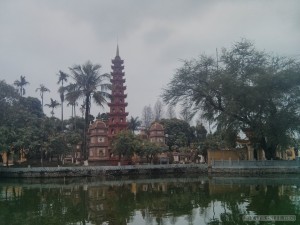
(178, 133)
(58, 146)
(200, 132)
(199, 138)
(19, 117)
(20, 84)
(8, 98)
(134, 124)
(53, 104)
(73, 137)
(88, 80)
(149, 150)
(32, 106)
(125, 144)
(246, 88)
(103, 116)
(7, 136)
(42, 89)
(62, 77)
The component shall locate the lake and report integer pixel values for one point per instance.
(165, 200)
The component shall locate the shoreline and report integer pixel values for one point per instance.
(107, 171)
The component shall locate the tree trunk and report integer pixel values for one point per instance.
(7, 158)
(42, 102)
(42, 158)
(62, 108)
(62, 115)
(269, 148)
(86, 124)
(270, 152)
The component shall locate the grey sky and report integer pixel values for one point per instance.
(40, 37)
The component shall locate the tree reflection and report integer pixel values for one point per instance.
(155, 202)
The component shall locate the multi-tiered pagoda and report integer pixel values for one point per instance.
(117, 115)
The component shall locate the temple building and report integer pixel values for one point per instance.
(101, 133)
(98, 145)
(157, 134)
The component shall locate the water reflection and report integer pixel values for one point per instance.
(164, 200)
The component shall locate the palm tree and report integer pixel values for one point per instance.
(72, 100)
(134, 124)
(62, 77)
(20, 84)
(53, 104)
(88, 80)
(42, 89)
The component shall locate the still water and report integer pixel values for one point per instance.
(149, 201)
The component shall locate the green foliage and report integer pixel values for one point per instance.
(8, 99)
(125, 144)
(103, 116)
(75, 123)
(178, 133)
(150, 150)
(23, 126)
(199, 133)
(247, 88)
(33, 106)
(58, 144)
(7, 136)
(134, 124)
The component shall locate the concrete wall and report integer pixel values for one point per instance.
(231, 154)
(221, 167)
(90, 171)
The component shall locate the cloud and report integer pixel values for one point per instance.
(39, 38)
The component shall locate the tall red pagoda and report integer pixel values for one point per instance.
(117, 115)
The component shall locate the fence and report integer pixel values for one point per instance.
(255, 163)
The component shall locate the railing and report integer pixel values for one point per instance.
(254, 163)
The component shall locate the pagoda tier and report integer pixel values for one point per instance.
(117, 115)
(120, 95)
(118, 72)
(118, 88)
(118, 80)
(117, 68)
(117, 104)
(117, 61)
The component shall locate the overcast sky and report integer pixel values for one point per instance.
(40, 37)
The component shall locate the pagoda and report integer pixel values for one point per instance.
(117, 114)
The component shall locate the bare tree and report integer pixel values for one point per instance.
(171, 112)
(158, 110)
(147, 116)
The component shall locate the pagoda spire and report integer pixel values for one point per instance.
(117, 54)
